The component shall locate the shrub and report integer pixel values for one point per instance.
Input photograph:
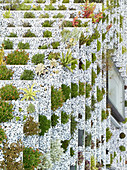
(47, 33)
(64, 117)
(87, 113)
(74, 90)
(30, 127)
(93, 101)
(88, 63)
(59, 15)
(47, 23)
(31, 158)
(2, 135)
(55, 44)
(73, 124)
(72, 152)
(31, 108)
(54, 120)
(62, 7)
(26, 24)
(104, 114)
(12, 35)
(66, 91)
(94, 76)
(29, 15)
(122, 148)
(5, 73)
(44, 124)
(57, 98)
(38, 58)
(5, 111)
(81, 88)
(88, 89)
(49, 7)
(99, 94)
(46, 15)
(108, 134)
(8, 44)
(27, 75)
(122, 135)
(29, 34)
(53, 56)
(65, 144)
(88, 139)
(93, 57)
(22, 45)
(9, 92)
(17, 58)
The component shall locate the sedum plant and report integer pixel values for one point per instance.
(49, 7)
(22, 45)
(47, 23)
(5, 73)
(30, 94)
(12, 35)
(38, 58)
(27, 75)
(2, 135)
(8, 44)
(47, 33)
(31, 108)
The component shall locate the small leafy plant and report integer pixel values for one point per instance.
(47, 23)
(108, 134)
(22, 45)
(73, 124)
(59, 15)
(65, 144)
(27, 75)
(122, 148)
(29, 15)
(74, 90)
(12, 35)
(47, 33)
(49, 7)
(7, 14)
(8, 44)
(88, 89)
(72, 152)
(5, 73)
(55, 44)
(81, 88)
(66, 91)
(54, 120)
(99, 94)
(88, 63)
(29, 34)
(43, 47)
(26, 24)
(62, 7)
(87, 113)
(64, 117)
(44, 124)
(38, 58)
(53, 56)
(46, 15)
(31, 108)
(2, 135)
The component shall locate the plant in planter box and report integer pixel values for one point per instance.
(30, 94)
(124, 49)
(98, 45)
(87, 113)
(67, 24)
(30, 127)
(46, 15)
(5, 73)
(81, 88)
(65, 144)
(47, 23)
(22, 45)
(53, 56)
(88, 89)
(49, 7)
(8, 44)
(99, 94)
(31, 108)
(27, 75)
(98, 69)
(108, 134)
(93, 101)
(28, 1)
(88, 63)
(93, 57)
(94, 76)
(38, 58)
(43, 47)
(36, 7)
(12, 35)
(66, 91)
(62, 7)
(31, 158)
(72, 152)
(59, 15)
(52, 1)
(54, 120)
(55, 44)
(65, 1)
(104, 114)
(47, 33)
(29, 34)
(78, 1)
(29, 15)
(22, 6)
(64, 117)
(44, 124)
(122, 148)
(88, 139)
(17, 58)
(7, 14)
(26, 24)
(81, 65)
(73, 124)
(74, 90)
(2, 135)
(9, 92)
(5, 111)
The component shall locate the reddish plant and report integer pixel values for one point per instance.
(75, 22)
(108, 27)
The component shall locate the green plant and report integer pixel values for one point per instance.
(64, 117)
(5, 73)
(125, 121)
(122, 148)
(78, 1)
(28, 1)
(46, 15)
(26, 24)
(99, 94)
(47, 23)
(54, 120)
(31, 108)
(20, 109)
(5, 111)
(81, 88)
(121, 21)
(98, 45)
(65, 144)
(93, 57)
(65, 1)
(22, 45)
(17, 58)
(9, 92)
(57, 98)
(88, 139)
(31, 158)
(23, 6)
(24, 117)
(83, 39)
(27, 75)
(49, 7)
(73, 124)
(10, 25)
(29, 34)
(108, 134)
(8, 44)
(43, 47)
(122, 135)
(67, 24)
(7, 14)
(55, 44)
(98, 69)
(53, 56)
(72, 152)
(124, 49)
(88, 63)
(38, 7)
(38, 58)
(12, 35)
(93, 164)
(88, 89)
(44, 124)
(87, 113)
(29, 15)
(74, 90)
(17, 118)
(40, 1)
(94, 76)
(2, 135)
(66, 91)
(30, 127)
(81, 65)
(30, 94)
(93, 101)
(120, 38)
(104, 114)
(104, 36)
(62, 7)
(59, 15)
(47, 33)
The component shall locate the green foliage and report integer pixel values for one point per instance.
(122, 135)
(49, 7)
(121, 21)
(46, 15)
(59, 15)
(26, 24)
(5, 73)
(54, 120)
(5, 111)
(78, 1)
(74, 90)
(104, 114)
(64, 117)
(40, 1)
(73, 124)
(57, 98)
(9, 92)
(47, 33)
(81, 65)
(10, 25)
(99, 94)
(88, 139)
(17, 58)
(65, 144)
(20, 109)
(82, 40)
(52, 1)
(12, 35)
(22, 45)
(108, 134)
(30, 127)
(38, 58)
(28, 1)
(29, 34)
(27, 75)
(81, 88)
(72, 152)
(125, 121)
(93, 57)
(124, 49)
(31, 108)
(120, 38)
(29, 15)
(55, 44)
(104, 36)
(93, 164)
(7, 14)
(98, 45)
(17, 118)
(62, 7)
(44, 124)
(94, 76)
(22, 6)
(88, 63)
(93, 101)
(65, 1)
(43, 47)
(31, 158)
(66, 91)
(47, 23)
(67, 24)
(2, 135)
(8, 44)
(122, 148)
(98, 69)
(88, 89)
(87, 113)
(36, 7)
(53, 56)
